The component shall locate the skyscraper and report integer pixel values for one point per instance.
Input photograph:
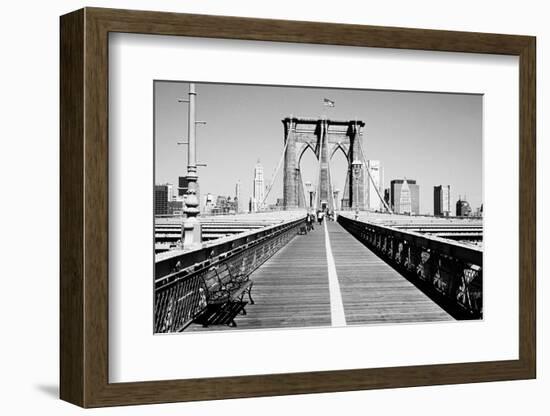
(442, 200)
(374, 186)
(463, 208)
(161, 199)
(238, 201)
(404, 196)
(258, 195)
(405, 202)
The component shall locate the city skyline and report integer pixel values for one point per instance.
(442, 143)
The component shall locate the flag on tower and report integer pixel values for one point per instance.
(328, 103)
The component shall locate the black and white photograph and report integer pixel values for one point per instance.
(284, 207)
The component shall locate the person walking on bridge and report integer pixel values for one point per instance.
(309, 221)
(320, 215)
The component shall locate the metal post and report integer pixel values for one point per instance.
(191, 227)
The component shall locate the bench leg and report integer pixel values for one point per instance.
(250, 295)
(232, 324)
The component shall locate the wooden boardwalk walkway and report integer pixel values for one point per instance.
(372, 291)
(292, 288)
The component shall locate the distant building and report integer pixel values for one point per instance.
(463, 208)
(404, 196)
(238, 201)
(442, 200)
(161, 200)
(479, 211)
(224, 205)
(220, 206)
(278, 206)
(374, 186)
(258, 189)
(208, 203)
(175, 207)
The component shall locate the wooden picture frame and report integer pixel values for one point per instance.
(84, 207)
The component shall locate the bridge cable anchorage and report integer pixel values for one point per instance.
(388, 209)
(276, 171)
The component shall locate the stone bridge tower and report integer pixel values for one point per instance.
(324, 137)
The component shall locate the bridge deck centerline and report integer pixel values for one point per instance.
(338, 316)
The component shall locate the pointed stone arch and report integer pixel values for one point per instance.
(343, 148)
(324, 137)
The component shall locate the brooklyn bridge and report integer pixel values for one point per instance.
(279, 269)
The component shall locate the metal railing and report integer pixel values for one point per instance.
(180, 291)
(450, 273)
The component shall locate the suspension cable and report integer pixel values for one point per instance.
(274, 176)
(372, 180)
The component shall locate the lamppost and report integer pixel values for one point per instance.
(356, 167)
(191, 230)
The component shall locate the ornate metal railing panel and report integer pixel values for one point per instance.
(449, 272)
(180, 293)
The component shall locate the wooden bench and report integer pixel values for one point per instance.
(225, 291)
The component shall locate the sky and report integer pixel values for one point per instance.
(433, 138)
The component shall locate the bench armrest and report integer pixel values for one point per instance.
(241, 277)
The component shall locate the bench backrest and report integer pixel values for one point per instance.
(217, 276)
(211, 280)
(224, 273)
